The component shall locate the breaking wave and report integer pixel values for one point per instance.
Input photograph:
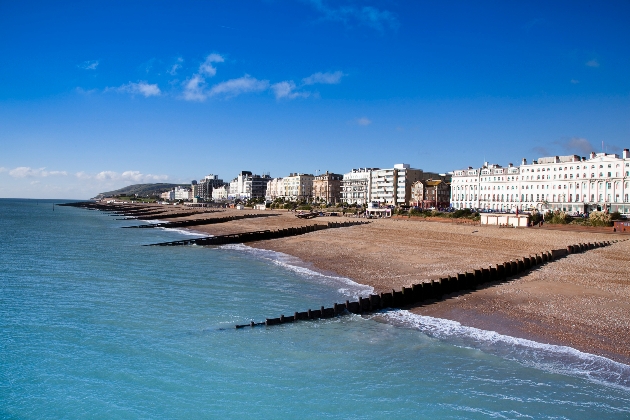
(344, 285)
(552, 358)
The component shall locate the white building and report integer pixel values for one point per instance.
(247, 185)
(177, 193)
(168, 195)
(356, 186)
(393, 186)
(203, 188)
(385, 186)
(298, 186)
(220, 193)
(568, 183)
(275, 189)
(182, 193)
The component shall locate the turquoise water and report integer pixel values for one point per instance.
(94, 325)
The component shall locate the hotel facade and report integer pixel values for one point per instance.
(568, 183)
(247, 185)
(294, 187)
(386, 186)
(327, 188)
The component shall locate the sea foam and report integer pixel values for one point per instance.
(185, 232)
(548, 357)
(344, 285)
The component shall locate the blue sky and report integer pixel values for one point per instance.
(99, 95)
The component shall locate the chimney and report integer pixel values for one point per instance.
(626, 154)
(592, 156)
(524, 162)
(510, 165)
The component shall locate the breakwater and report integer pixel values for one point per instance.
(434, 289)
(259, 235)
(162, 215)
(136, 211)
(197, 222)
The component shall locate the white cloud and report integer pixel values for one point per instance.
(377, 19)
(89, 65)
(28, 172)
(82, 91)
(194, 88)
(134, 176)
(350, 16)
(3, 169)
(575, 81)
(206, 68)
(141, 88)
(238, 86)
(173, 70)
(363, 121)
(83, 175)
(175, 67)
(592, 63)
(286, 89)
(323, 78)
(106, 175)
(576, 145)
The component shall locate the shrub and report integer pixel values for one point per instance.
(557, 217)
(599, 218)
(535, 217)
(461, 213)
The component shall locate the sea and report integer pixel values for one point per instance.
(93, 324)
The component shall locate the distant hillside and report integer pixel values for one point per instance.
(143, 190)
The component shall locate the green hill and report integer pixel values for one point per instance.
(143, 190)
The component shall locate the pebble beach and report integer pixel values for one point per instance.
(579, 301)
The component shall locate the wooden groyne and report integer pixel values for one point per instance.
(136, 211)
(197, 222)
(435, 289)
(162, 215)
(259, 235)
